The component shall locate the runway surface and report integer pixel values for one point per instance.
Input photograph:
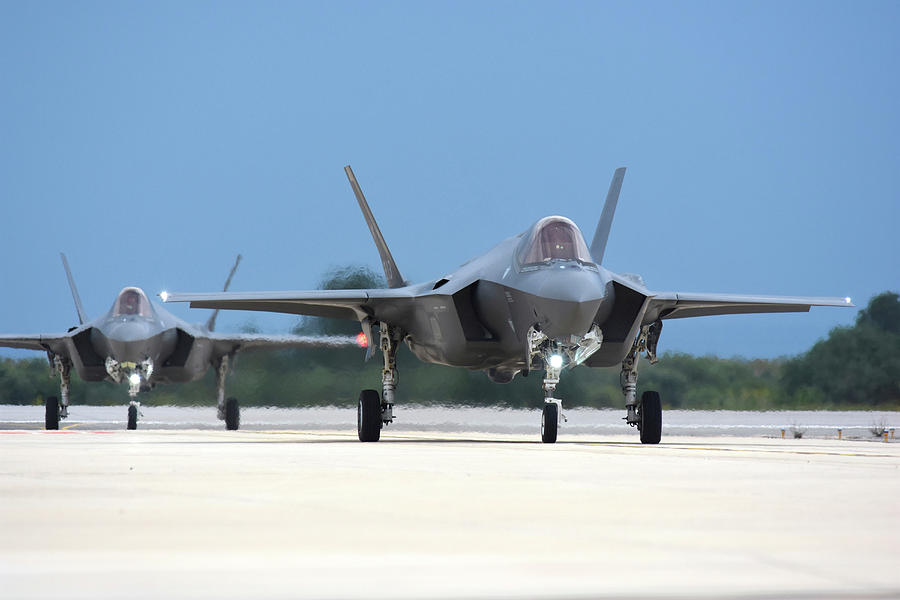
(284, 514)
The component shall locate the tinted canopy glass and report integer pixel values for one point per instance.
(554, 238)
(132, 301)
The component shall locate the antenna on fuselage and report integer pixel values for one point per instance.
(82, 317)
(211, 324)
(391, 273)
(598, 245)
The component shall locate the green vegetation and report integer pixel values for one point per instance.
(855, 367)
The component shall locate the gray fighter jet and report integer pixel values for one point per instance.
(139, 343)
(539, 301)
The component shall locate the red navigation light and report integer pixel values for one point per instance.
(361, 340)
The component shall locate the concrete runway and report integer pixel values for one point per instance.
(255, 514)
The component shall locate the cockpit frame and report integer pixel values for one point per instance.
(550, 240)
(132, 301)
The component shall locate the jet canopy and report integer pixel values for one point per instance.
(553, 238)
(132, 301)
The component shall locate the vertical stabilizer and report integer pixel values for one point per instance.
(211, 324)
(82, 317)
(391, 273)
(598, 246)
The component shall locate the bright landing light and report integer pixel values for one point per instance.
(556, 361)
(847, 299)
(134, 379)
(164, 296)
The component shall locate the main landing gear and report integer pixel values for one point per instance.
(646, 415)
(372, 412)
(226, 410)
(54, 408)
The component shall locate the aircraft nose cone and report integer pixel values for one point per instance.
(130, 329)
(572, 284)
(133, 339)
(568, 300)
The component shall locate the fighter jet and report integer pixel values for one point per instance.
(539, 301)
(141, 344)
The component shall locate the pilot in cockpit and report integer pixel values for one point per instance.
(556, 241)
(129, 303)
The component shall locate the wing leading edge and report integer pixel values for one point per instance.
(676, 305)
(354, 305)
(37, 341)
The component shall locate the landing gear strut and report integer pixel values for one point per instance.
(226, 410)
(134, 407)
(54, 408)
(551, 355)
(646, 415)
(133, 413)
(373, 413)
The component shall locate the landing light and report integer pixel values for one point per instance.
(164, 296)
(134, 379)
(847, 299)
(556, 361)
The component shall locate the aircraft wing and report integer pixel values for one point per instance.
(355, 305)
(227, 343)
(677, 305)
(55, 342)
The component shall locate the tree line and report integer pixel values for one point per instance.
(855, 367)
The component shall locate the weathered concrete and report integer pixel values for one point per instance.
(215, 514)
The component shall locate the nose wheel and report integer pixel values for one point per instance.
(132, 415)
(550, 422)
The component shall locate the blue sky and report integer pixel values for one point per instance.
(154, 141)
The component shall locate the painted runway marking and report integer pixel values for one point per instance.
(782, 450)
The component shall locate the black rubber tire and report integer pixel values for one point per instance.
(368, 416)
(550, 423)
(232, 414)
(132, 416)
(51, 413)
(651, 418)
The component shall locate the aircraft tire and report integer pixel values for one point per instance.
(368, 416)
(132, 417)
(232, 414)
(550, 423)
(51, 413)
(651, 418)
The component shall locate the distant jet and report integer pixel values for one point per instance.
(538, 301)
(142, 344)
